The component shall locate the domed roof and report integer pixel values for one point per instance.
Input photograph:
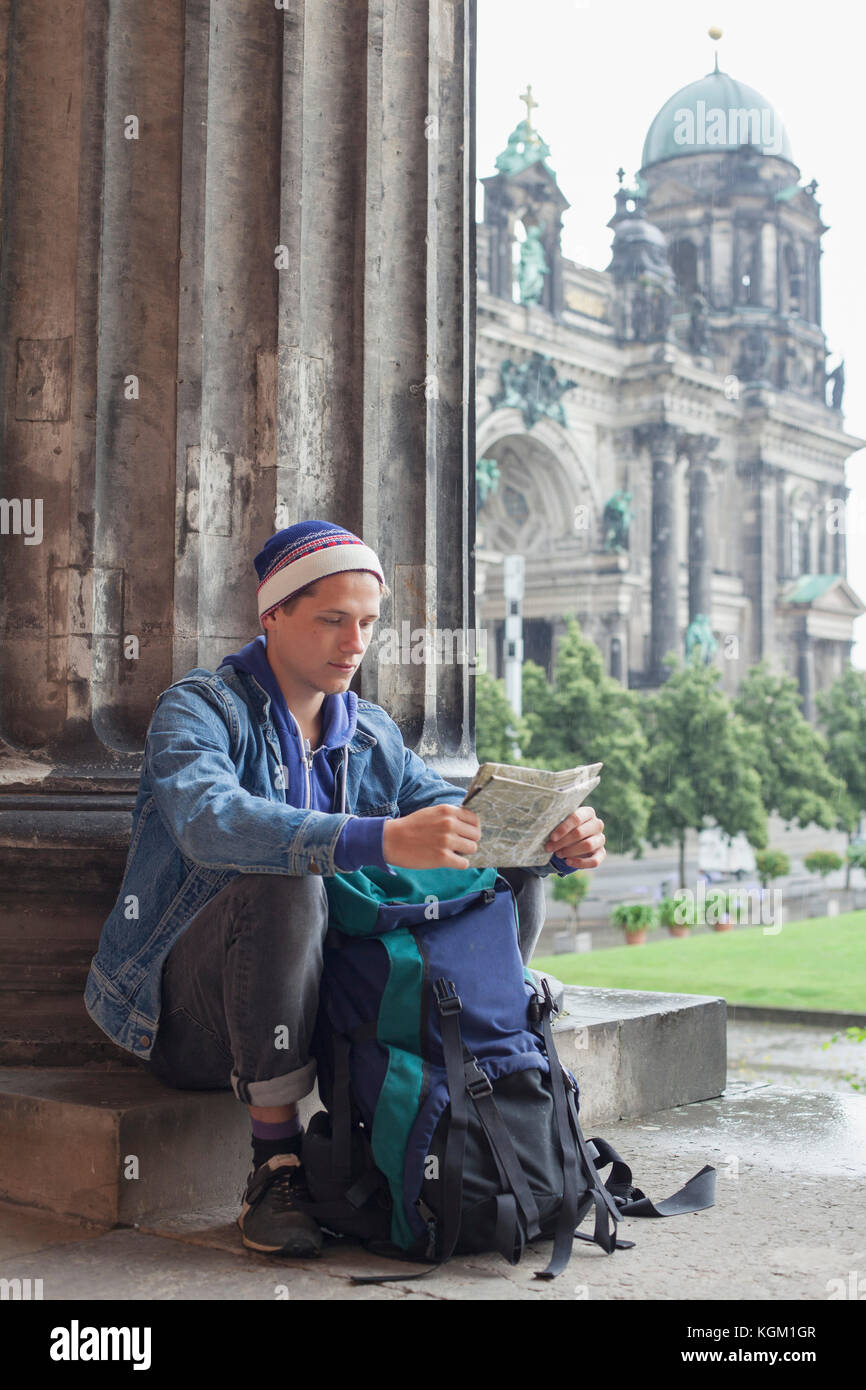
(715, 113)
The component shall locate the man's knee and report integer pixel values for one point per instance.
(268, 898)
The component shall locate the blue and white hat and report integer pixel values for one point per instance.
(309, 550)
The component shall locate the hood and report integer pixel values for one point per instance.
(339, 722)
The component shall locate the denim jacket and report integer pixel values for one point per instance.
(211, 805)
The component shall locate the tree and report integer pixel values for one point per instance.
(585, 716)
(771, 863)
(796, 780)
(572, 890)
(497, 728)
(842, 712)
(700, 764)
(823, 862)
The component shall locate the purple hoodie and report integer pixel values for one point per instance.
(361, 840)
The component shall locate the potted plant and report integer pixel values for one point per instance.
(678, 917)
(636, 919)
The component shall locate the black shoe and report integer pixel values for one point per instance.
(269, 1219)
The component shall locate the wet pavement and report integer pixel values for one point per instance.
(789, 1222)
(795, 1055)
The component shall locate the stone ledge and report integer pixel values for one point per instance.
(67, 1135)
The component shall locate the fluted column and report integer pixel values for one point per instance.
(661, 441)
(701, 477)
(237, 289)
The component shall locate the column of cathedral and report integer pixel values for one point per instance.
(702, 471)
(661, 440)
(238, 290)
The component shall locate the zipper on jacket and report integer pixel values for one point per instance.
(308, 767)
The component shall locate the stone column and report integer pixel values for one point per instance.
(806, 672)
(238, 280)
(698, 448)
(661, 441)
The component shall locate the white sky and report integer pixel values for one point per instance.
(601, 69)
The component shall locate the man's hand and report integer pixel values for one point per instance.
(579, 840)
(436, 837)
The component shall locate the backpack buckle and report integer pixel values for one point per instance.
(479, 1085)
(447, 999)
(548, 1004)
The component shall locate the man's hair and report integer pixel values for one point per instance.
(288, 604)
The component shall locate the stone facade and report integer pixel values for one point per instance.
(237, 290)
(669, 444)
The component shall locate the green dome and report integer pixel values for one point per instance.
(713, 114)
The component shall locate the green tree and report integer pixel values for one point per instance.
(572, 889)
(842, 713)
(771, 863)
(823, 862)
(497, 728)
(585, 716)
(796, 780)
(700, 764)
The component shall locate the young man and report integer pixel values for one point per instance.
(258, 779)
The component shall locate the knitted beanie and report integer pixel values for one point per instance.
(309, 550)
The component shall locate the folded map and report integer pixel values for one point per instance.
(518, 807)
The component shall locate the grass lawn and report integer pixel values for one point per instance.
(819, 963)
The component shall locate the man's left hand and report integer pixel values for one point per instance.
(579, 839)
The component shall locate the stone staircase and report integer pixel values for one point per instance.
(90, 1133)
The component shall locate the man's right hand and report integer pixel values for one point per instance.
(436, 837)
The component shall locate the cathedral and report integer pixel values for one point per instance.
(660, 444)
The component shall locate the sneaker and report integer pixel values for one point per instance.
(269, 1219)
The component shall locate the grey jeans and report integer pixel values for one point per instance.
(240, 987)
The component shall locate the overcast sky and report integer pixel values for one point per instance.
(601, 69)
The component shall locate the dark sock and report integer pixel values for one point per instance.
(269, 1140)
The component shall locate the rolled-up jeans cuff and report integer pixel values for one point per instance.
(276, 1090)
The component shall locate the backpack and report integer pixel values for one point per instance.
(450, 1124)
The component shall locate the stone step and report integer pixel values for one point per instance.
(118, 1147)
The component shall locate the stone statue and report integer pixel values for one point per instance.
(836, 380)
(699, 343)
(534, 388)
(701, 645)
(486, 479)
(617, 520)
(533, 267)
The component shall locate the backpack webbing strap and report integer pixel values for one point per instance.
(563, 1237)
(508, 1236)
(479, 1088)
(695, 1195)
(571, 1213)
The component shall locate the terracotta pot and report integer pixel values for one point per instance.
(634, 938)
(722, 926)
(679, 931)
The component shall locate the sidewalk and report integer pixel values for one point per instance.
(788, 1220)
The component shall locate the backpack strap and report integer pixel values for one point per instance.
(572, 1144)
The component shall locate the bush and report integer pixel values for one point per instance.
(823, 862)
(634, 917)
(771, 863)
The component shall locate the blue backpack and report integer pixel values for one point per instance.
(450, 1124)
